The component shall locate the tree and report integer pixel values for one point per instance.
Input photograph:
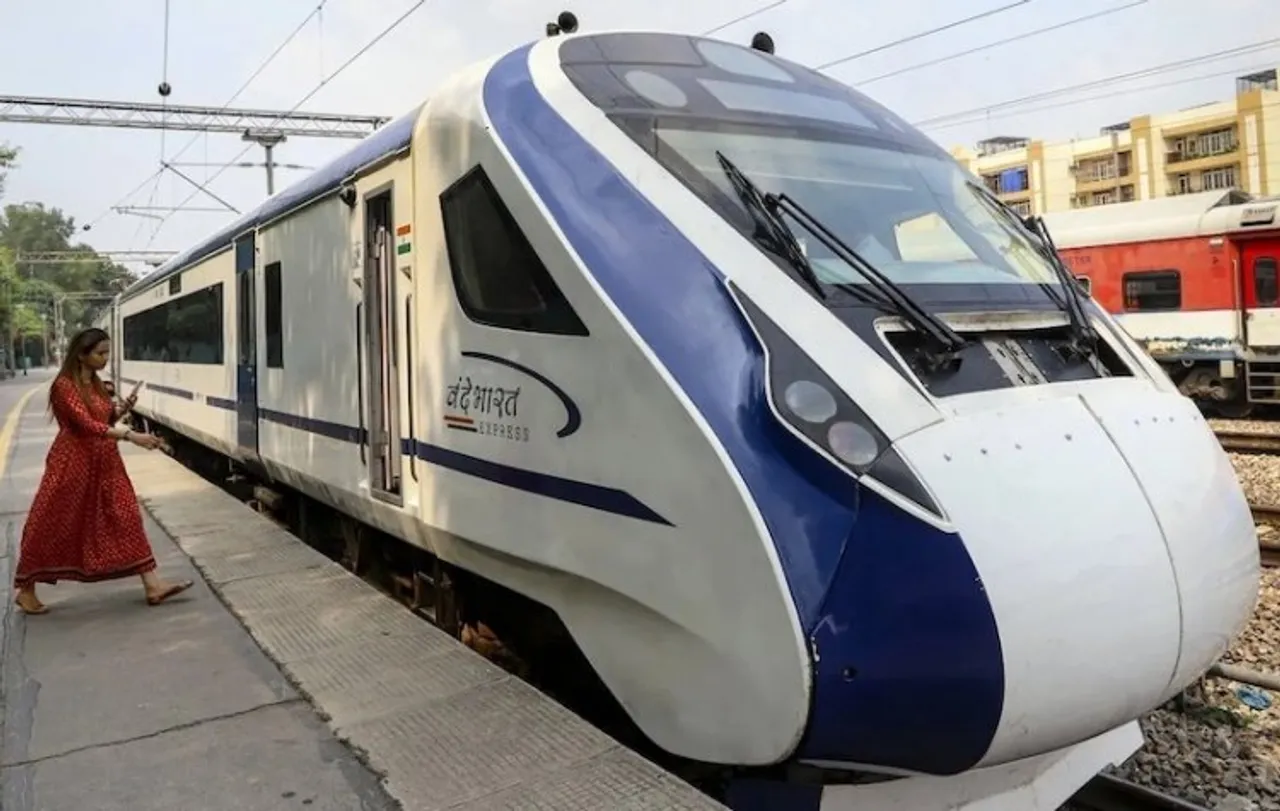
(29, 289)
(8, 158)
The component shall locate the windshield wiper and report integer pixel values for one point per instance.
(768, 210)
(1084, 339)
(781, 236)
(902, 304)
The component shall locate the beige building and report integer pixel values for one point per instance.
(1229, 144)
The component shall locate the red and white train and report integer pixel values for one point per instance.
(1194, 279)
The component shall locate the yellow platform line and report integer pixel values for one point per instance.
(11, 428)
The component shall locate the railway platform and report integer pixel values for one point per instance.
(280, 681)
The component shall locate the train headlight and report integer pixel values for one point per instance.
(813, 408)
(853, 444)
(811, 402)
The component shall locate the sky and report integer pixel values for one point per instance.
(116, 51)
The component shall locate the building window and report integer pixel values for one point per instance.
(1224, 178)
(1092, 170)
(1008, 181)
(500, 280)
(1086, 284)
(1022, 208)
(182, 330)
(175, 285)
(272, 304)
(1148, 290)
(1204, 145)
(1265, 288)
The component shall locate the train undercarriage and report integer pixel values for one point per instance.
(1234, 389)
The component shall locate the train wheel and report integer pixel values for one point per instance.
(1234, 409)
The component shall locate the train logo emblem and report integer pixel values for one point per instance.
(494, 410)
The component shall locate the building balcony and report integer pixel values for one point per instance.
(1085, 185)
(1193, 163)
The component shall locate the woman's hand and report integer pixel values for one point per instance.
(148, 441)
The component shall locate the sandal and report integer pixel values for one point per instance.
(31, 608)
(173, 589)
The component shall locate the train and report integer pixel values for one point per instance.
(816, 454)
(1193, 278)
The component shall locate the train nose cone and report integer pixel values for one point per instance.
(1196, 498)
(1113, 544)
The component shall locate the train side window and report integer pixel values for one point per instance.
(273, 305)
(500, 280)
(1086, 284)
(187, 329)
(1153, 290)
(1265, 287)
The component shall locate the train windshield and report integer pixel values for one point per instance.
(915, 216)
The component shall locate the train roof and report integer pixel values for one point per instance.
(384, 142)
(1209, 213)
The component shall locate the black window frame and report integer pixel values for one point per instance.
(1131, 300)
(148, 335)
(1273, 299)
(556, 316)
(175, 284)
(273, 314)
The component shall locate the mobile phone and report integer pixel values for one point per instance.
(136, 387)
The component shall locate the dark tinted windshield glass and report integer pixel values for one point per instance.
(884, 188)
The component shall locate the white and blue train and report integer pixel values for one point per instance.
(798, 432)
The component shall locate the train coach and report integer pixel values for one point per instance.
(1193, 278)
(811, 448)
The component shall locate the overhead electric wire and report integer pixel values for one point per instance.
(922, 34)
(258, 71)
(253, 76)
(154, 176)
(1167, 67)
(745, 17)
(324, 81)
(1114, 94)
(164, 115)
(1006, 41)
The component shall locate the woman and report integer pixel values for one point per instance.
(85, 523)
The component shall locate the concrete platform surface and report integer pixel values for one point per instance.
(111, 704)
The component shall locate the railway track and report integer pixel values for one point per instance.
(1249, 441)
(1108, 793)
(1267, 514)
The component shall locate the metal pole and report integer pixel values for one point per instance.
(271, 174)
(59, 327)
(268, 140)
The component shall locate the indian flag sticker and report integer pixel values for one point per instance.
(402, 240)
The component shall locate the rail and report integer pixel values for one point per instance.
(1267, 514)
(1249, 441)
(1109, 793)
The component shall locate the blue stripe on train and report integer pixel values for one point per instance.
(584, 494)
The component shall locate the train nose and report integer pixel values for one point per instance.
(1208, 529)
(1103, 556)
(1113, 543)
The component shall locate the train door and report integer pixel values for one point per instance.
(382, 370)
(246, 345)
(1258, 262)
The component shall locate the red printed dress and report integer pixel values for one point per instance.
(85, 523)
